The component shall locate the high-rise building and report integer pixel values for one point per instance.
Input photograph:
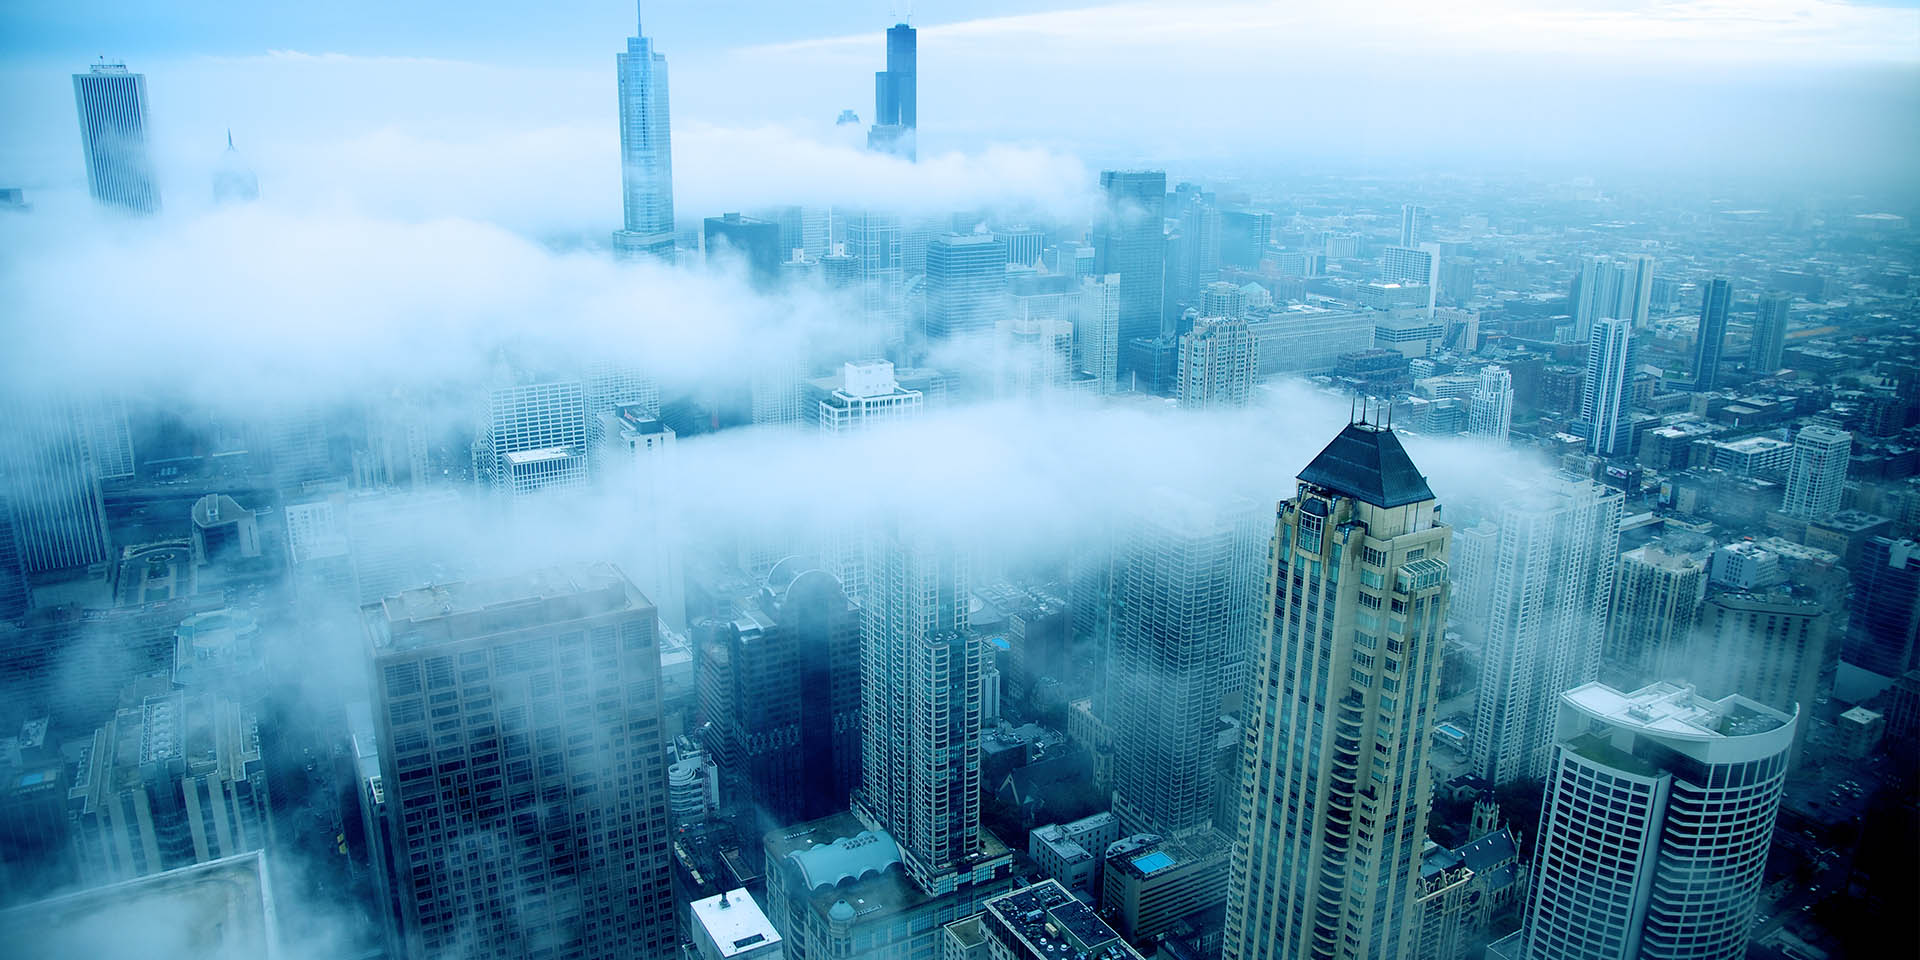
(13, 576)
(873, 241)
(1223, 299)
(110, 436)
(1219, 364)
(867, 395)
(1033, 343)
(113, 137)
(1654, 605)
(1817, 477)
(966, 285)
(1096, 331)
(646, 151)
(780, 695)
(896, 96)
(1025, 244)
(1129, 239)
(51, 486)
(1042, 922)
(233, 180)
(1244, 236)
(1185, 600)
(1335, 782)
(1491, 413)
(920, 687)
(1883, 630)
(1770, 643)
(1535, 590)
(638, 457)
(1769, 332)
(524, 766)
(533, 437)
(1413, 224)
(1715, 300)
(1612, 361)
(1607, 290)
(1659, 813)
(756, 243)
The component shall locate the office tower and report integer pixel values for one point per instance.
(1185, 598)
(1033, 344)
(1769, 332)
(966, 285)
(1491, 414)
(1883, 628)
(1244, 237)
(1222, 299)
(1711, 335)
(1128, 239)
(777, 388)
(13, 575)
(1654, 604)
(395, 454)
(1659, 813)
(1772, 642)
(1817, 477)
(109, 436)
(1606, 290)
(638, 459)
(1612, 361)
(1335, 783)
(873, 241)
(1413, 266)
(1024, 244)
(174, 778)
(1197, 260)
(49, 480)
(1413, 224)
(646, 151)
(895, 96)
(730, 926)
(222, 908)
(611, 385)
(756, 243)
(523, 761)
(297, 447)
(867, 396)
(1537, 597)
(113, 137)
(920, 689)
(233, 180)
(1219, 364)
(780, 695)
(1041, 922)
(1096, 330)
(533, 437)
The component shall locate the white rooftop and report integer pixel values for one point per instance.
(736, 926)
(1670, 709)
(538, 455)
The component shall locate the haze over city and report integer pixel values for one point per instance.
(779, 481)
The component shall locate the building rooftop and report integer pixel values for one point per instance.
(520, 458)
(1367, 462)
(477, 607)
(1045, 921)
(1676, 711)
(856, 883)
(735, 923)
(218, 910)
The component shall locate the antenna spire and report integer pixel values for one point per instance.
(638, 29)
(229, 138)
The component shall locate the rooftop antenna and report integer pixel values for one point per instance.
(638, 29)
(229, 138)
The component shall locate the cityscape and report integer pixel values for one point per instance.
(1222, 482)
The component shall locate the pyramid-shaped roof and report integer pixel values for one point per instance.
(1367, 462)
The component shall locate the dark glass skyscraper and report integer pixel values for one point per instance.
(113, 135)
(1769, 332)
(895, 99)
(757, 242)
(966, 284)
(1129, 240)
(1712, 333)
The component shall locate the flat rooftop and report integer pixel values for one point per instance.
(219, 910)
(1674, 710)
(735, 923)
(1048, 921)
(521, 458)
(467, 608)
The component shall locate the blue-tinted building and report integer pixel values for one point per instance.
(1129, 239)
(646, 151)
(113, 136)
(895, 99)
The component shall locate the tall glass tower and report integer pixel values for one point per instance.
(1711, 335)
(113, 136)
(1130, 239)
(646, 151)
(895, 95)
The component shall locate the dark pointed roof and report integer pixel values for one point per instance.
(1367, 462)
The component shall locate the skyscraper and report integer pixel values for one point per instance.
(873, 241)
(1538, 602)
(1219, 363)
(646, 150)
(780, 695)
(1096, 330)
(1817, 477)
(920, 690)
(896, 96)
(966, 285)
(1654, 604)
(533, 437)
(1659, 813)
(1612, 356)
(113, 137)
(1185, 600)
(756, 243)
(524, 764)
(52, 486)
(1129, 239)
(1491, 413)
(1769, 332)
(1413, 224)
(1711, 335)
(1604, 289)
(1335, 782)
(1883, 632)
